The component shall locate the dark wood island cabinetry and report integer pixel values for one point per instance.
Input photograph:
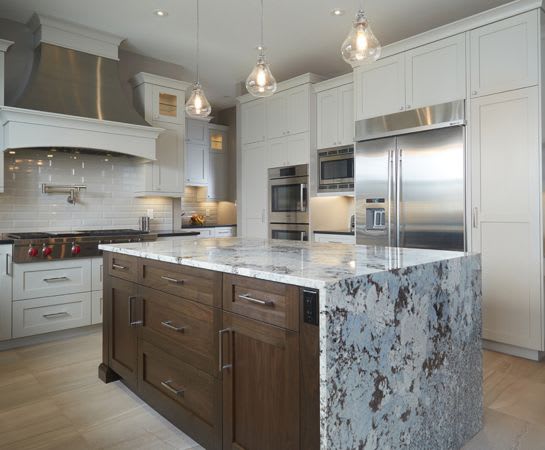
(228, 359)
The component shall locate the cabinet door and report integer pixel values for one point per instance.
(253, 122)
(328, 118)
(254, 190)
(277, 152)
(168, 169)
(346, 114)
(196, 164)
(506, 195)
(197, 131)
(380, 87)
(97, 306)
(260, 386)
(298, 110)
(505, 55)
(217, 177)
(277, 125)
(298, 149)
(436, 73)
(120, 303)
(168, 105)
(6, 274)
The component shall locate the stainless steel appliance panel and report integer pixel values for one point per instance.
(289, 232)
(336, 170)
(430, 189)
(375, 200)
(288, 195)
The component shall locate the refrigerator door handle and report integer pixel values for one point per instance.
(475, 217)
(398, 196)
(390, 199)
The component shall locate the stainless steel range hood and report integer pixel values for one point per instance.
(75, 83)
(74, 96)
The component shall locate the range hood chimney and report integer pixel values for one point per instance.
(74, 96)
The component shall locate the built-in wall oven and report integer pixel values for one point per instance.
(289, 203)
(336, 170)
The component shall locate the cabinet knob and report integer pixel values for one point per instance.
(474, 93)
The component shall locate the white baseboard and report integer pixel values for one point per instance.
(534, 355)
(49, 337)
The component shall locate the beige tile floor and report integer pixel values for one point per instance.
(51, 398)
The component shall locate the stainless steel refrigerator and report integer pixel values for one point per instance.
(410, 188)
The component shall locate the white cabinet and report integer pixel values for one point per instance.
(218, 177)
(196, 164)
(217, 232)
(335, 238)
(436, 73)
(168, 104)
(335, 112)
(254, 190)
(97, 305)
(288, 112)
(425, 76)
(504, 55)
(506, 198)
(6, 277)
(196, 131)
(253, 122)
(380, 87)
(288, 151)
(97, 274)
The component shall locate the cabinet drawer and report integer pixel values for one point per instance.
(97, 305)
(43, 315)
(273, 303)
(51, 278)
(97, 268)
(201, 285)
(183, 328)
(122, 266)
(224, 232)
(185, 395)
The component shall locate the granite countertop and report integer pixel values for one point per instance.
(307, 264)
(343, 232)
(209, 226)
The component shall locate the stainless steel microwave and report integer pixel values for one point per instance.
(336, 170)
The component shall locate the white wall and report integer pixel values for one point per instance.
(108, 201)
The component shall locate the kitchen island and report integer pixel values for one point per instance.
(391, 357)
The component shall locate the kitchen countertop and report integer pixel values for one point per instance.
(5, 240)
(343, 232)
(400, 332)
(209, 226)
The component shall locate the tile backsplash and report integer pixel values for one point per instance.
(107, 202)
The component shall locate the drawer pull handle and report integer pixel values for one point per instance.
(55, 315)
(168, 324)
(172, 280)
(118, 267)
(167, 385)
(255, 300)
(56, 279)
(131, 323)
(223, 366)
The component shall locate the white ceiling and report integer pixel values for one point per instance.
(301, 35)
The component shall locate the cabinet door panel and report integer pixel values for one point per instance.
(505, 167)
(254, 190)
(436, 73)
(277, 153)
(328, 118)
(504, 55)
(168, 105)
(6, 274)
(346, 114)
(297, 103)
(196, 164)
(277, 124)
(217, 177)
(298, 149)
(197, 131)
(261, 388)
(120, 298)
(380, 88)
(168, 168)
(253, 122)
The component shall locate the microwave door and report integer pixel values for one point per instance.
(375, 192)
(336, 169)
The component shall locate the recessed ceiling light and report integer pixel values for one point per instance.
(337, 12)
(160, 13)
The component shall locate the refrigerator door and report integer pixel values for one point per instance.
(430, 189)
(375, 203)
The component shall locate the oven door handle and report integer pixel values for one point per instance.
(302, 199)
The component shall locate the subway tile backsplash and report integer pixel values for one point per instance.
(108, 201)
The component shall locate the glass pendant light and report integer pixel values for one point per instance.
(197, 106)
(260, 82)
(361, 45)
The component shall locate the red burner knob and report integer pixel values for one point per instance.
(76, 249)
(46, 251)
(32, 251)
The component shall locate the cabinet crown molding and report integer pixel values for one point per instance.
(74, 36)
(5, 45)
(333, 83)
(158, 80)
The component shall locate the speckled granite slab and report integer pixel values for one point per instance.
(400, 329)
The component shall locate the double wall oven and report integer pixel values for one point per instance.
(289, 203)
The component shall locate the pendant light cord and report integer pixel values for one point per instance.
(262, 44)
(198, 43)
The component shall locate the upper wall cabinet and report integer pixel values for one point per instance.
(436, 73)
(253, 122)
(335, 111)
(380, 88)
(218, 177)
(168, 105)
(197, 152)
(428, 75)
(288, 112)
(197, 131)
(504, 55)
